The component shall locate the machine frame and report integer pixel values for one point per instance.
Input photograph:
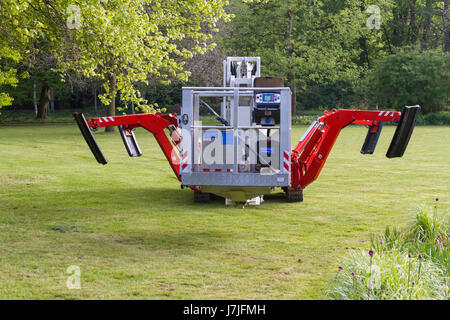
(180, 137)
(190, 111)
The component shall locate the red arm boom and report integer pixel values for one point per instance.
(309, 156)
(156, 124)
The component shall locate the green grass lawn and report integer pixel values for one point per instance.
(135, 234)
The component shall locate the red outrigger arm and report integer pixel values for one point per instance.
(309, 156)
(155, 123)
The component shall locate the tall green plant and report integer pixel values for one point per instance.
(390, 275)
(409, 264)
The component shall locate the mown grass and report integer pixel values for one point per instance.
(135, 234)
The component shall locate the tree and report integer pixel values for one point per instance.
(14, 36)
(306, 43)
(418, 22)
(124, 42)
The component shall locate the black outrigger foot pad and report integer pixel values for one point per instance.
(371, 140)
(403, 132)
(129, 140)
(89, 137)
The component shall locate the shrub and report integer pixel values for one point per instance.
(304, 120)
(411, 78)
(429, 234)
(409, 264)
(429, 225)
(437, 118)
(389, 275)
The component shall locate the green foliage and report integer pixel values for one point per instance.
(331, 47)
(329, 95)
(437, 118)
(120, 42)
(430, 233)
(391, 275)
(65, 116)
(416, 22)
(310, 43)
(304, 120)
(391, 239)
(124, 42)
(411, 78)
(8, 74)
(430, 224)
(14, 35)
(410, 264)
(323, 47)
(163, 95)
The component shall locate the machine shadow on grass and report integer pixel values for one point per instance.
(129, 220)
(183, 242)
(177, 199)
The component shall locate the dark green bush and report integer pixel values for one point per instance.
(411, 78)
(327, 95)
(304, 120)
(437, 118)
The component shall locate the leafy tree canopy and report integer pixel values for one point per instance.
(123, 42)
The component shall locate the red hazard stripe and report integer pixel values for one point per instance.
(286, 166)
(184, 155)
(286, 156)
(184, 166)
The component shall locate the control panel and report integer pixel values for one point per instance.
(268, 98)
(267, 108)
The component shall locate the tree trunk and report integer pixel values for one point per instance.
(44, 101)
(427, 25)
(291, 80)
(388, 39)
(291, 72)
(52, 100)
(413, 30)
(34, 99)
(111, 112)
(446, 27)
(364, 55)
(95, 99)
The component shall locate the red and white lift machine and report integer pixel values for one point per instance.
(245, 153)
